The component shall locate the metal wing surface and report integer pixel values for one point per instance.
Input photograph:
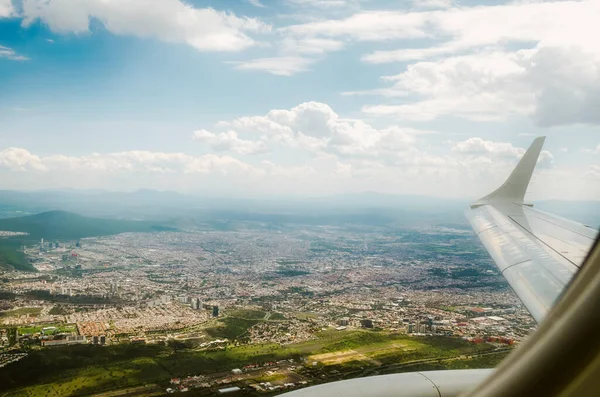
(537, 252)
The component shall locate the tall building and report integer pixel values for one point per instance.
(366, 323)
(197, 303)
(12, 335)
(215, 312)
(114, 287)
(421, 327)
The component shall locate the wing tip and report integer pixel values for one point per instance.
(515, 187)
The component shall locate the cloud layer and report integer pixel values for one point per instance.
(169, 20)
(315, 127)
(308, 149)
(6, 9)
(534, 59)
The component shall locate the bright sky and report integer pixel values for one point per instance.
(299, 97)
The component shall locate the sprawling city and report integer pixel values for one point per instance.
(252, 310)
(298, 198)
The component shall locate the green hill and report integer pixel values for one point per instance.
(62, 225)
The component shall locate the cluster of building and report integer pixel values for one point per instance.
(120, 320)
(156, 286)
(282, 332)
(9, 358)
(245, 377)
(68, 340)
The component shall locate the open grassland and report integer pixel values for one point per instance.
(247, 314)
(306, 315)
(380, 348)
(32, 311)
(83, 370)
(486, 360)
(230, 327)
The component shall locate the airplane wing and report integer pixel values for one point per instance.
(538, 253)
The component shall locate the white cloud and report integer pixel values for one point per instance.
(566, 82)
(593, 172)
(533, 58)
(229, 141)
(480, 147)
(9, 53)
(546, 24)
(323, 4)
(169, 20)
(469, 168)
(432, 3)
(315, 127)
(18, 159)
(596, 150)
(7, 9)
(310, 45)
(409, 54)
(128, 170)
(256, 3)
(554, 86)
(280, 66)
(294, 56)
(365, 26)
(481, 87)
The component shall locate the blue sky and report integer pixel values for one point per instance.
(298, 97)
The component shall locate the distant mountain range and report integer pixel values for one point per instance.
(148, 204)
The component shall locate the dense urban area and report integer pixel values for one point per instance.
(252, 311)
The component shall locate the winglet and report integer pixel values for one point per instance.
(515, 187)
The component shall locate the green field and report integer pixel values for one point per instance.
(487, 361)
(230, 327)
(80, 370)
(277, 316)
(305, 315)
(38, 328)
(32, 311)
(247, 314)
